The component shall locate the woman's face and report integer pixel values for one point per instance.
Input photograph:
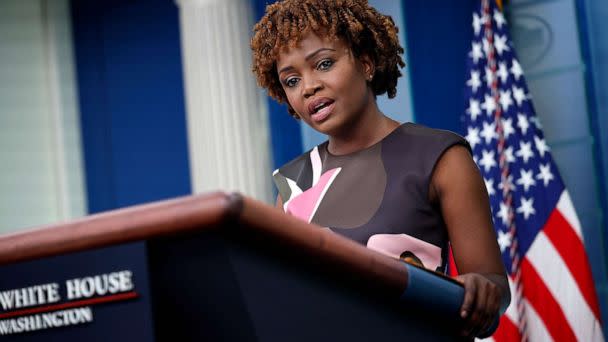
(325, 84)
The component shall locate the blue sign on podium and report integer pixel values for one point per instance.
(96, 295)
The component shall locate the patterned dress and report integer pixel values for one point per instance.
(378, 196)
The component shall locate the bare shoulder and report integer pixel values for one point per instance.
(456, 169)
(455, 158)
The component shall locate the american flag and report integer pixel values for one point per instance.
(539, 234)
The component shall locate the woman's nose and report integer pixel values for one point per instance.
(311, 87)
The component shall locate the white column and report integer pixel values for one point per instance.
(62, 95)
(226, 115)
(41, 168)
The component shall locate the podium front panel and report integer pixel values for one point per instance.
(96, 295)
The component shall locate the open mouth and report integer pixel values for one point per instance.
(320, 109)
(321, 106)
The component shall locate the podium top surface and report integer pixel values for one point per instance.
(200, 213)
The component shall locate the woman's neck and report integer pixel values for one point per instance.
(362, 133)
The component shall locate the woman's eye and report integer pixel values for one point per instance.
(325, 64)
(291, 82)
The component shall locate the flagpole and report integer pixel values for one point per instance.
(504, 176)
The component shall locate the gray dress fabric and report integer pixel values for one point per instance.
(377, 196)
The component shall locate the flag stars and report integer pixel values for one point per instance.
(516, 69)
(487, 160)
(473, 136)
(525, 151)
(488, 132)
(519, 95)
(509, 154)
(489, 104)
(490, 186)
(526, 207)
(504, 240)
(474, 110)
(507, 128)
(499, 18)
(536, 121)
(476, 53)
(504, 213)
(526, 155)
(541, 146)
(522, 122)
(502, 72)
(475, 81)
(505, 100)
(500, 44)
(545, 174)
(478, 21)
(526, 179)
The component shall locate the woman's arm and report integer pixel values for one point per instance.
(461, 193)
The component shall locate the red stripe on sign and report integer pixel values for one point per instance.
(549, 311)
(571, 249)
(61, 306)
(507, 331)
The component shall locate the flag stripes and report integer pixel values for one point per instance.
(539, 297)
(564, 205)
(572, 253)
(537, 330)
(562, 286)
(507, 329)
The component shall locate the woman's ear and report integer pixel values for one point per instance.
(368, 67)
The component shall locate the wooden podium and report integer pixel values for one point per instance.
(213, 267)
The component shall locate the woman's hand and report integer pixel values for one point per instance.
(481, 304)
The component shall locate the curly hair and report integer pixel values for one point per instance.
(362, 27)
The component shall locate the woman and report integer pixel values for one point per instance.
(402, 189)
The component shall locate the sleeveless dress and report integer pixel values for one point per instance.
(377, 196)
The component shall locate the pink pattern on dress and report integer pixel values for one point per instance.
(394, 245)
(304, 205)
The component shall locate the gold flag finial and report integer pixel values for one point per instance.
(499, 3)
